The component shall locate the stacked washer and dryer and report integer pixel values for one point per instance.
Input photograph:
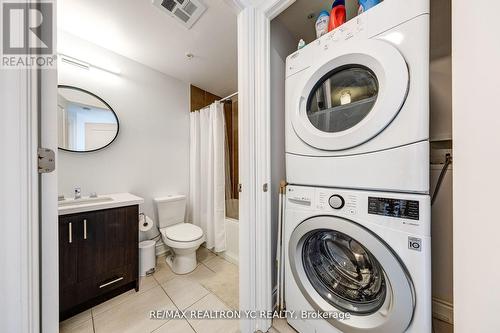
(357, 220)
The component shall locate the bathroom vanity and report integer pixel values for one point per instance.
(98, 250)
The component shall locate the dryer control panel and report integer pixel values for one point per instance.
(353, 29)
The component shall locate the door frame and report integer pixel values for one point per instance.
(48, 215)
(28, 121)
(254, 51)
(19, 242)
(30, 246)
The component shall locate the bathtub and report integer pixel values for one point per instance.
(232, 240)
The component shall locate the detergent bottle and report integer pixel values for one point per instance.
(322, 23)
(337, 15)
(364, 5)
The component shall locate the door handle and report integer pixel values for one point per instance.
(84, 229)
(111, 282)
(70, 232)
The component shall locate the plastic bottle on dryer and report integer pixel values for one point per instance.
(337, 15)
(322, 23)
(364, 5)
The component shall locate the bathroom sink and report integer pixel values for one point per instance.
(105, 201)
(83, 201)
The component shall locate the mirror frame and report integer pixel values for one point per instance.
(104, 102)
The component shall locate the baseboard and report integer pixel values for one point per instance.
(232, 259)
(442, 310)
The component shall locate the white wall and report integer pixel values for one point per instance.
(282, 44)
(476, 181)
(150, 157)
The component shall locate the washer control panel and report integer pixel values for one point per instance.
(405, 212)
(300, 196)
(404, 209)
(336, 200)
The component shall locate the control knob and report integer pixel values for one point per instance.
(336, 201)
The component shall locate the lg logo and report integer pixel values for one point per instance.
(415, 244)
(27, 28)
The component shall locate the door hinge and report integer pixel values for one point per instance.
(265, 187)
(240, 188)
(46, 160)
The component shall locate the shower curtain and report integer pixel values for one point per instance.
(207, 174)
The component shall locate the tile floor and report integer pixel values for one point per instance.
(212, 285)
(281, 326)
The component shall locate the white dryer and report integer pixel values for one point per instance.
(357, 103)
(361, 252)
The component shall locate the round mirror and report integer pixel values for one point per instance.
(85, 121)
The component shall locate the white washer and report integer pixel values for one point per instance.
(362, 252)
(357, 103)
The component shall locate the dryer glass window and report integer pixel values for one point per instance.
(342, 98)
(343, 272)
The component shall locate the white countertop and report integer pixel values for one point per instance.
(117, 200)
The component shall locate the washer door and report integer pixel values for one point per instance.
(352, 97)
(339, 265)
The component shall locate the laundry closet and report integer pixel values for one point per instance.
(295, 27)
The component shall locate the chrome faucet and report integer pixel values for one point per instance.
(78, 193)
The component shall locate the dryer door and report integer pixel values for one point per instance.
(352, 97)
(340, 265)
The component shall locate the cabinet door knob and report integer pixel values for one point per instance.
(70, 225)
(84, 229)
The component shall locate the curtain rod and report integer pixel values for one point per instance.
(228, 97)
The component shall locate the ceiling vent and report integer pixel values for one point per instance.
(187, 12)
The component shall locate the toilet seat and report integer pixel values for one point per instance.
(183, 232)
(182, 235)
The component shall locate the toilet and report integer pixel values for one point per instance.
(181, 237)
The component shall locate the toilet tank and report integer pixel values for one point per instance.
(171, 210)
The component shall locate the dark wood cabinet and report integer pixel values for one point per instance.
(98, 257)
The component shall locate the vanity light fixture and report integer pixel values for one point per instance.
(85, 65)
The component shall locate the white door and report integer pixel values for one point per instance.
(351, 95)
(98, 135)
(339, 265)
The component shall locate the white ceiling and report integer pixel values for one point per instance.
(138, 30)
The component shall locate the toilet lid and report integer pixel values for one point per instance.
(184, 232)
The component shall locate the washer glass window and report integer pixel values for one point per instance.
(342, 98)
(343, 272)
